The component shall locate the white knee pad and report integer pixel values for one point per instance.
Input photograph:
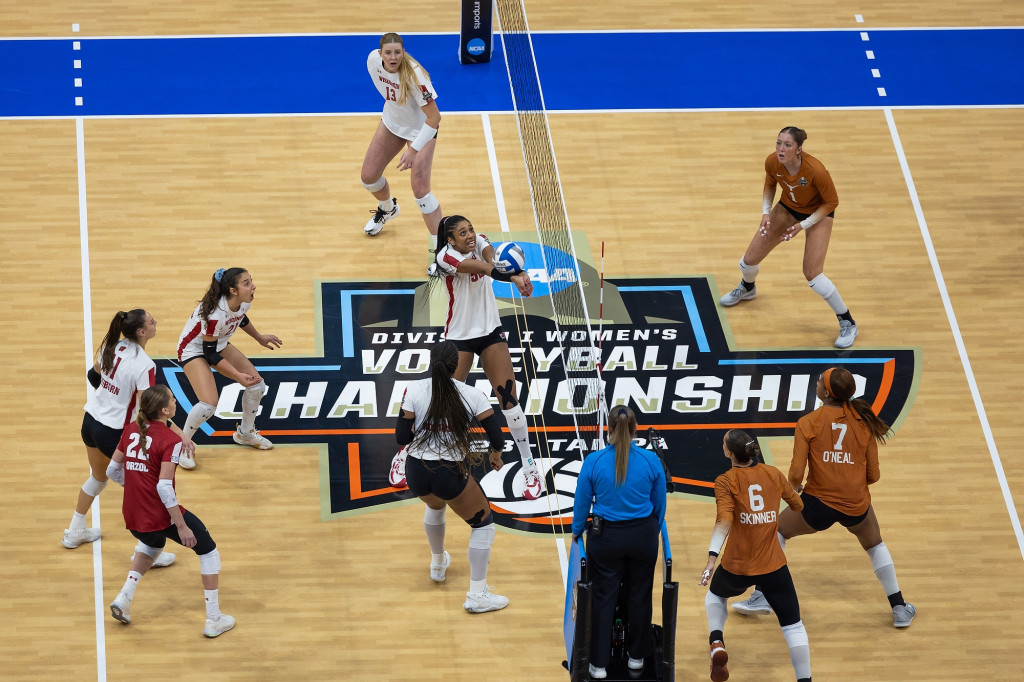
(151, 552)
(376, 186)
(427, 203)
(481, 538)
(93, 487)
(433, 517)
(209, 564)
(795, 634)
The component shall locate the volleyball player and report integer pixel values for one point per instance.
(748, 497)
(409, 125)
(206, 342)
(121, 373)
(465, 263)
(434, 428)
(144, 463)
(837, 446)
(808, 203)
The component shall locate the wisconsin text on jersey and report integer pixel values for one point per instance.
(665, 353)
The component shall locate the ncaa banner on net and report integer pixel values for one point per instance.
(475, 36)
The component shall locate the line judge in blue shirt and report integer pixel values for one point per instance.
(625, 486)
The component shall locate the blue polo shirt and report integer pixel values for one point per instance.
(641, 494)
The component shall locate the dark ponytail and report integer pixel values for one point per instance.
(124, 325)
(841, 385)
(742, 446)
(621, 429)
(447, 426)
(221, 284)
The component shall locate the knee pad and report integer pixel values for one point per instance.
(255, 391)
(822, 286)
(427, 203)
(433, 517)
(202, 412)
(482, 538)
(209, 563)
(93, 487)
(795, 634)
(376, 186)
(151, 552)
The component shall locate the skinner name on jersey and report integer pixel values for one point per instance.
(759, 517)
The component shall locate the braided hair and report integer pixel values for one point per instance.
(447, 426)
(154, 399)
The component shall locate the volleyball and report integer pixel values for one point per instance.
(509, 258)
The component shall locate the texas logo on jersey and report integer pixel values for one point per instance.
(664, 351)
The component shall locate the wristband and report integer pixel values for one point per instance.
(426, 135)
(766, 207)
(711, 553)
(804, 224)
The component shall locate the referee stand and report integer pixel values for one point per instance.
(659, 667)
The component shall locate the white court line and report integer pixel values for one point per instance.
(957, 337)
(499, 196)
(97, 547)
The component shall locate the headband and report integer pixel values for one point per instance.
(827, 378)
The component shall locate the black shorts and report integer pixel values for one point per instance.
(776, 586)
(477, 345)
(820, 516)
(158, 538)
(100, 436)
(441, 478)
(802, 216)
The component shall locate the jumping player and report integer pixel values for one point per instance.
(206, 342)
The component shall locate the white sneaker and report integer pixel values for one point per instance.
(597, 673)
(740, 293)
(119, 608)
(635, 663)
(756, 605)
(219, 625)
(253, 439)
(847, 333)
(903, 615)
(187, 461)
(482, 602)
(396, 477)
(437, 570)
(165, 559)
(534, 484)
(73, 538)
(375, 224)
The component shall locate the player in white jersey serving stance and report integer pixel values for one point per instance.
(465, 261)
(122, 372)
(409, 125)
(434, 425)
(206, 342)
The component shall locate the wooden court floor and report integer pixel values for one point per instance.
(170, 200)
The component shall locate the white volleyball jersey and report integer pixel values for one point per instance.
(416, 399)
(223, 323)
(472, 308)
(113, 404)
(403, 120)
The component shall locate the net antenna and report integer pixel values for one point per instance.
(580, 359)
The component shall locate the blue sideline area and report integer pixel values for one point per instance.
(578, 71)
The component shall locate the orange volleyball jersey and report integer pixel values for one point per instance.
(806, 191)
(749, 497)
(840, 455)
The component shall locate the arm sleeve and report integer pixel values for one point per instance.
(94, 377)
(165, 488)
(403, 430)
(874, 472)
(493, 429)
